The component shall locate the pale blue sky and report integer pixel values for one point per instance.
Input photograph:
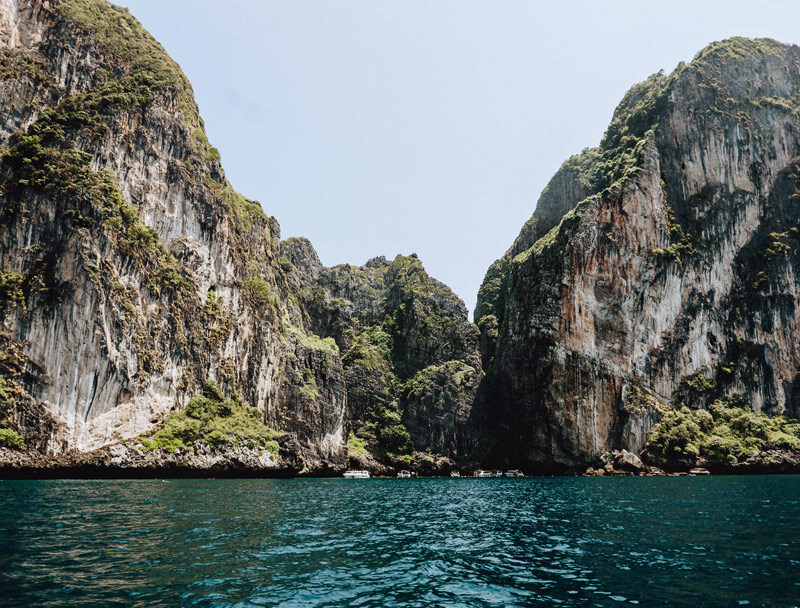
(429, 126)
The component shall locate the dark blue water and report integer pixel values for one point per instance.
(407, 542)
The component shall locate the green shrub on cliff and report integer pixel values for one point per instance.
(11, 287)
(428, 380)
(372, 347)
(396, 438)
(681, 242)
(259, 289)
(9, 438)
(17, 63)
(725, 433)
(214, 420)
(384, 432)
(309, 388)
(313, 341)
(355, 445)
(677, 435)
(699, 383)
(6, 393)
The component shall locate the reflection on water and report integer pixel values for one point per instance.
(407, 542)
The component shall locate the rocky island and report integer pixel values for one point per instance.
(154, 322)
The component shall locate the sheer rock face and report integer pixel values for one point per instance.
(135, 271)
(681, 264)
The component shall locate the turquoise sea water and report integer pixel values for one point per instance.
(719, 541)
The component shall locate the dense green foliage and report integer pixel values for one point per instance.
(309, 340)
(6, 394)
(699, 383)
(259, 289)
(212, 419)
(17, 62)
(725, 433)
(9, 438)
(381, 431)
(425, 381)
(384, 432)
(422, 316)
(371, 348)
(412, 360)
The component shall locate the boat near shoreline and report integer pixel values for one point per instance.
(510, 473)
(356, 474)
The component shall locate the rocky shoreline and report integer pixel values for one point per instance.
(620, 463)
(124, 462)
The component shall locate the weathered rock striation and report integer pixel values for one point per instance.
(658, 269)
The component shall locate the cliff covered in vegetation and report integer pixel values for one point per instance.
(410, 356)
(147, 306)
(658, 270)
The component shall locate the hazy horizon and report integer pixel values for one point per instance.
(430, 128)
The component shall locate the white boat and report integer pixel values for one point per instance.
(356, 474)
(404, 474)
(482, 473)
(455, 474)
(514, 473)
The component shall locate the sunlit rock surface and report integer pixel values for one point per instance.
(657, 269)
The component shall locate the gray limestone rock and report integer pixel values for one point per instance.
(667, 254)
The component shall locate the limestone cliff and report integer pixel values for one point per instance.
(150, 314)
(410, 355)
(658, 269)
(132, 272)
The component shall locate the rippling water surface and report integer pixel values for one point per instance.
(724, 541)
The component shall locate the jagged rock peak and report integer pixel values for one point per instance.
(619, 154)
